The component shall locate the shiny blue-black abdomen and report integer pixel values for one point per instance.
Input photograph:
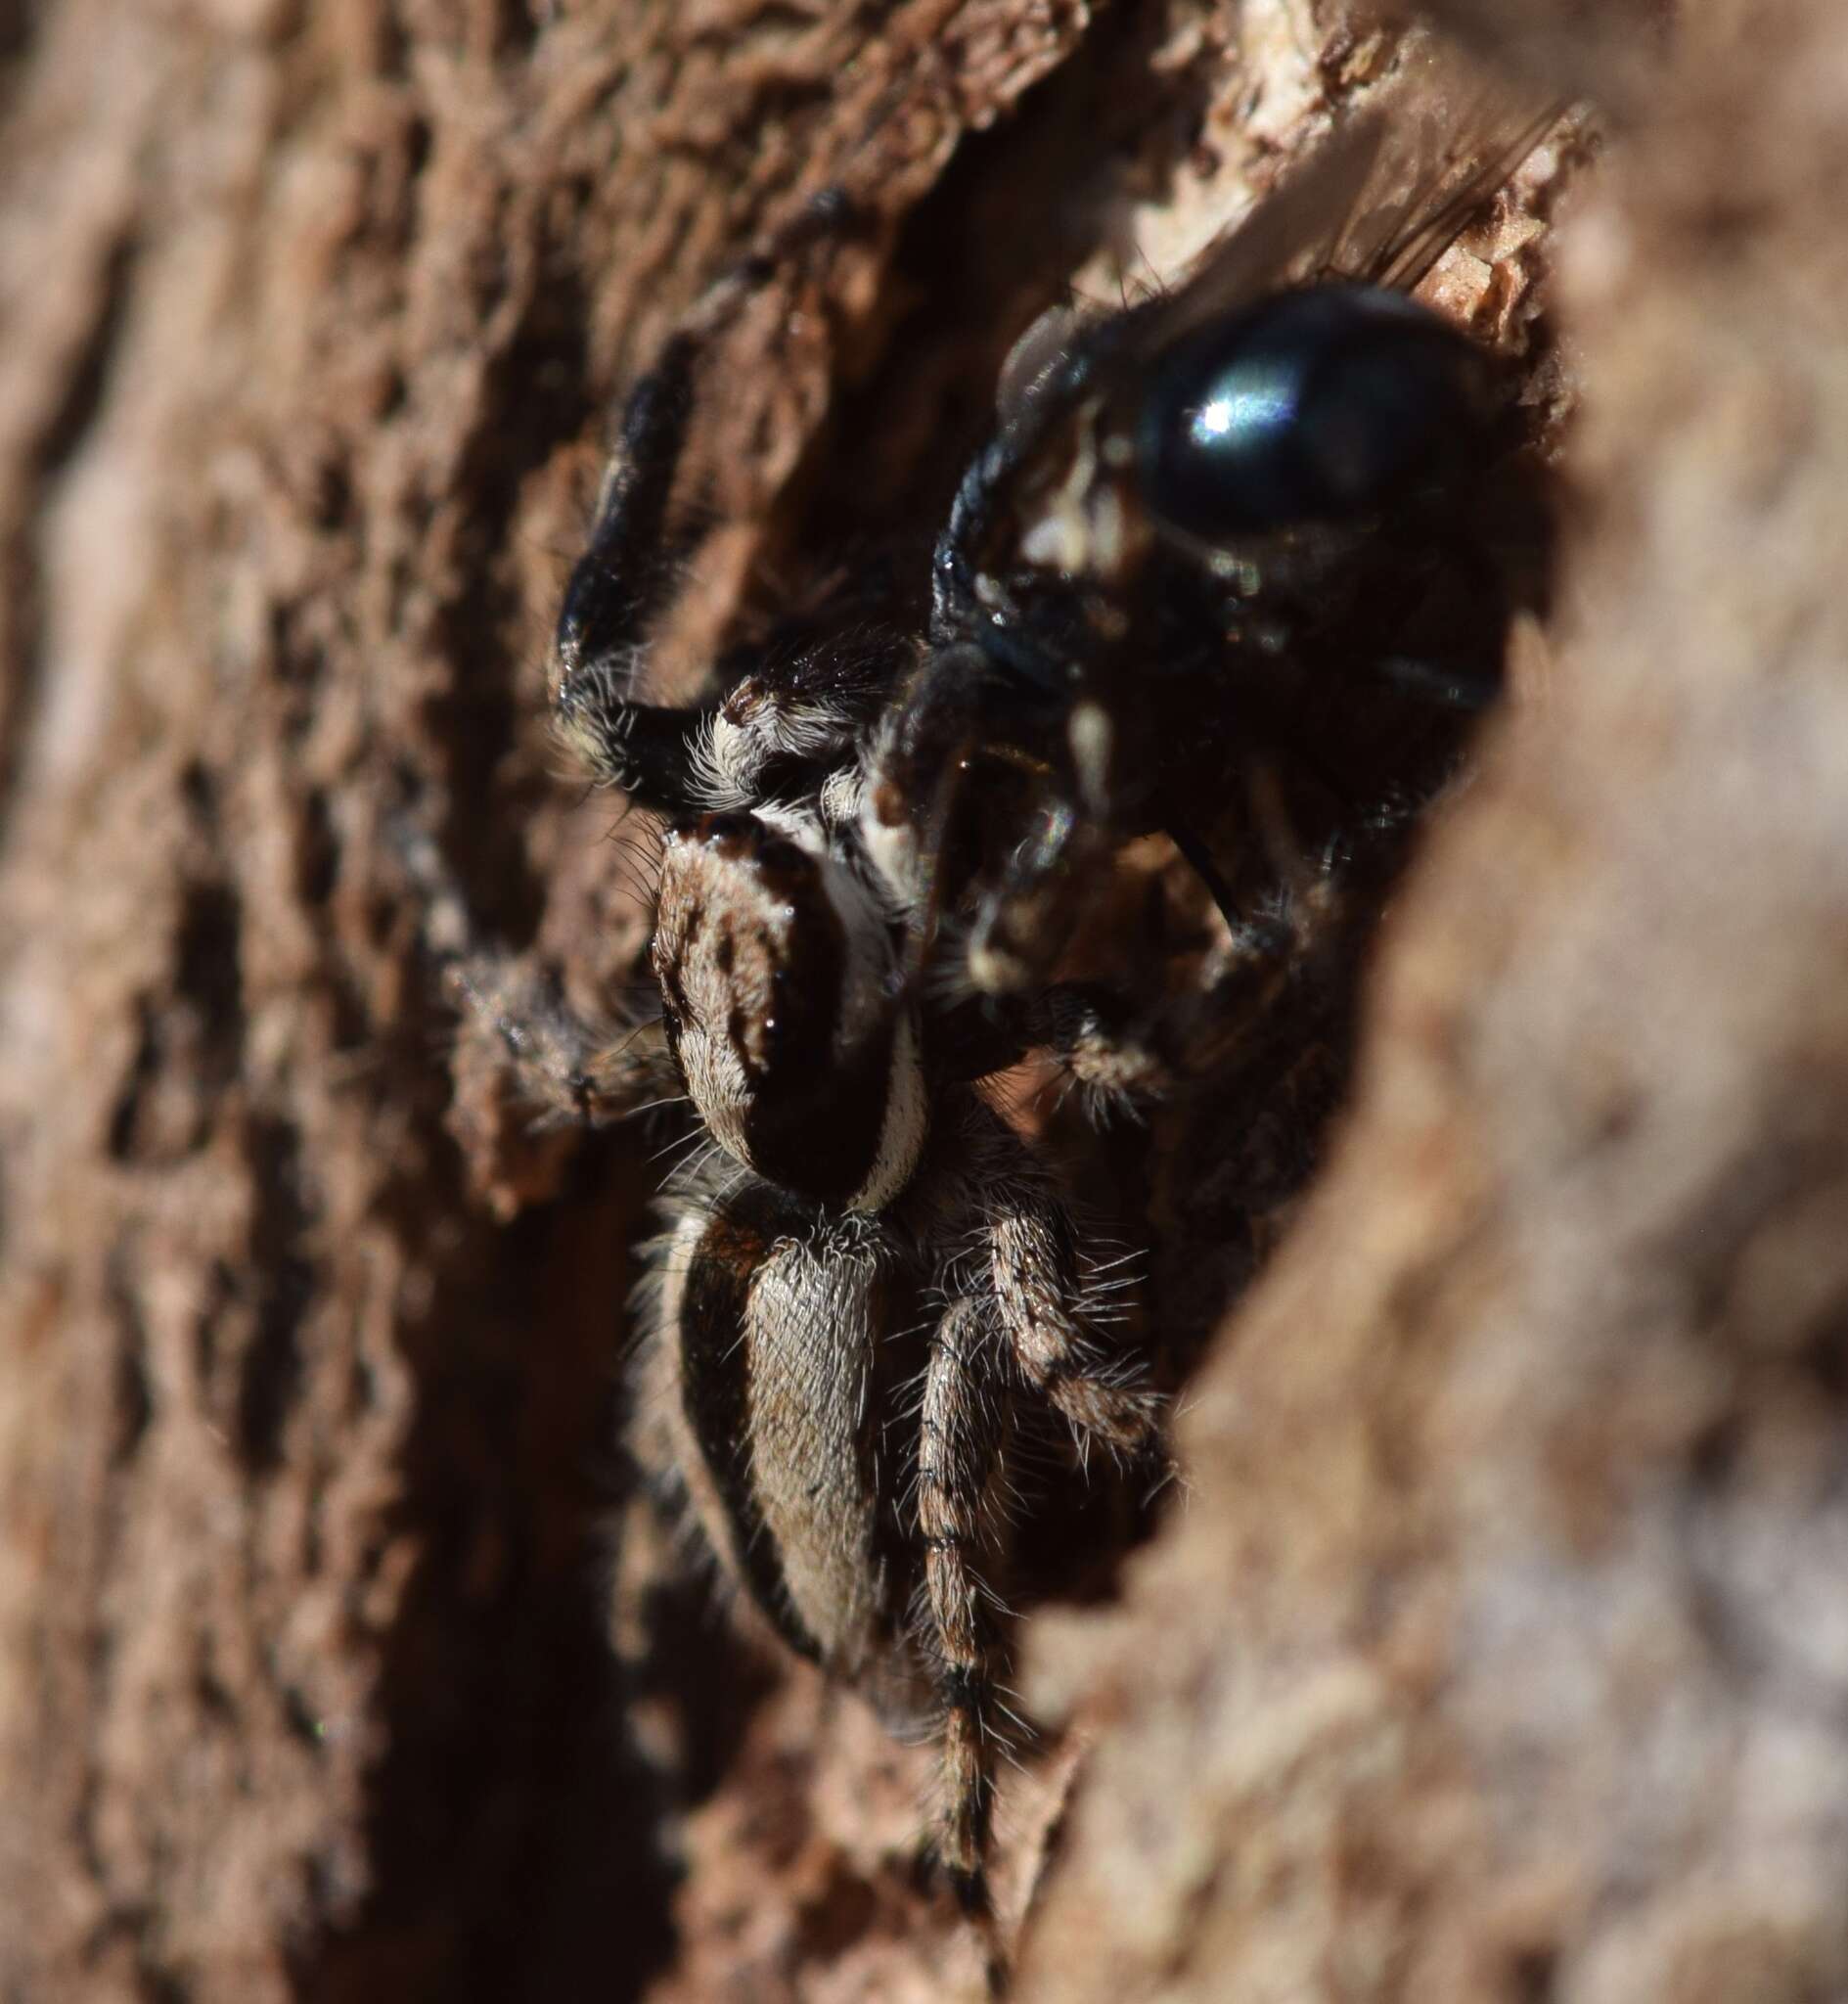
(1317, 405)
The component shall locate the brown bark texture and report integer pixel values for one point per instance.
(1498, 1648)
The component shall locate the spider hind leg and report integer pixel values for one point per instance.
(960, 1426)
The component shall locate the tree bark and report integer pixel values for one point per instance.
(1496, 1651)
(1500, 1654)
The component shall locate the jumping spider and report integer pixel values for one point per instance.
(1227, 569)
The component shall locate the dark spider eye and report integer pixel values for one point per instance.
(1314, 407)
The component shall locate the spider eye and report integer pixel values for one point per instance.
(1316, 405)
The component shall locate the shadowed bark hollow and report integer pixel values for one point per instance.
(1499, 1648)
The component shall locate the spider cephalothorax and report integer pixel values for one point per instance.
(779, 996)
(874, 856)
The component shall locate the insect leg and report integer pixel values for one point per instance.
(959, 757)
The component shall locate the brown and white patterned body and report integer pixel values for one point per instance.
(1205, 579)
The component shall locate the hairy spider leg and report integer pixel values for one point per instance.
(617, 588)
(652, 751)
(560, 1063)
(961, 1424)
(1034, 1273)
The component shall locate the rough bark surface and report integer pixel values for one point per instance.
(1499, 1648)
(1502, 1650)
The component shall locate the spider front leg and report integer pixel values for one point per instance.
(676, 759)
(617, 588)
(780, 729)
(965, 758)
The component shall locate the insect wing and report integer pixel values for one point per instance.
(1380, 202)
(1428, 188)
(1289, 236)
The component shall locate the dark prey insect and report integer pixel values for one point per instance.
(869, 1291)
